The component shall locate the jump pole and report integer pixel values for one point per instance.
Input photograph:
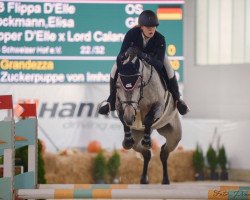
(132, 194)
(162, 191)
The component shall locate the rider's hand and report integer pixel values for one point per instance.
(144, 56)
(133, 51)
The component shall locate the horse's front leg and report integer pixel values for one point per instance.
(146, 140)
(128, 140)
(149, 120)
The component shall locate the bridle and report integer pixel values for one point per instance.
(142, 85)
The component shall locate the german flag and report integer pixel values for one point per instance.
(169, 13)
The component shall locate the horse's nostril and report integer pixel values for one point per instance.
(129, 123)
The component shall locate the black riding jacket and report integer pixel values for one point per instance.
(155, 47)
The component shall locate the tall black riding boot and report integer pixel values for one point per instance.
(174, 89)
(110, 106)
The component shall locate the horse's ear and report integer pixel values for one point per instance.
(128, 60)
(132, 58)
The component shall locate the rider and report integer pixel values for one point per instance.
(150, 46)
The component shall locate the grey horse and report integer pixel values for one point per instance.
(143, 103)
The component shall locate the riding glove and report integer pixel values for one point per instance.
(132, 51)
(144, 56)
(135, 51)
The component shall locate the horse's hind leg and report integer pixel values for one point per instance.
(137, 135)
(148, 121)
(146, 156)
(172, 132)
(164, 157)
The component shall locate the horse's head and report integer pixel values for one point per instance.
(128, 86)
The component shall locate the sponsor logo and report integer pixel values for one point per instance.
(65, 109)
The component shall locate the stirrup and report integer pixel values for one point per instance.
(100, 105)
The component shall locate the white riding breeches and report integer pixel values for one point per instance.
(113, 71)
(169, 69)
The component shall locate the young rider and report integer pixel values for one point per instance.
(149, 45)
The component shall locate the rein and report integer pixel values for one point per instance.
(144, 84)
(151, 73)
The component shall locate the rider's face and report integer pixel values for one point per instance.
(148, 31)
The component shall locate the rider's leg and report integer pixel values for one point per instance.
(110, 106)
(174, 88)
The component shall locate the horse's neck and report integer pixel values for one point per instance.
(150, 74)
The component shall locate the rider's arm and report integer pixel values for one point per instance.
(127, 42)
(158, 59)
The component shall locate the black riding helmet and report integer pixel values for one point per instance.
(148, 18)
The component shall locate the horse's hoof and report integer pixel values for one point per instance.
(144, 180)
(165, 181)
(146, 143)
(128, 143)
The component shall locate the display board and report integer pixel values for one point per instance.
(77, 41)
